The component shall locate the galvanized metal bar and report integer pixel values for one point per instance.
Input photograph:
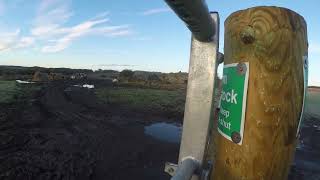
(199, 100)
(196, 16)
(186, 169)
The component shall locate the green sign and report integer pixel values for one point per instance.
(233, 100)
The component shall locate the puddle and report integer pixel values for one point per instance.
(167, 132)
(89, 86)
(23, 82)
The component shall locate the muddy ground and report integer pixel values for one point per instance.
(65, 132)
(306, 165)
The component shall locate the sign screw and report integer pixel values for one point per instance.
(241, 68)
(236, 138)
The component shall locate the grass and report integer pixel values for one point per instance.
(144, 99)
(313, 102)
(8, 89)
(313, 98)
(12, 92)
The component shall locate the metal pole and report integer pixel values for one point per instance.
(199, 101)
(196, 16)
(200, 91)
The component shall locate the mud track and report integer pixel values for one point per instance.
(63, 132)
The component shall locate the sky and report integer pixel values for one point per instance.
(120, 34)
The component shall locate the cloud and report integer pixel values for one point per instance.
(107, 30)
(54, 16)
(8, 39)
(155, 11)
(125, 32)
(53, 12)
(102, 14)
(51, 15)
(69, 34)
(53, 30)
(25, 42)
(49, 26)
(12, 40)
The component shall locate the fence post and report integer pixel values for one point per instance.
(265, 47)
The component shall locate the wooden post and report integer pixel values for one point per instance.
(273, 41)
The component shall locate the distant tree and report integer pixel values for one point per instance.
(126, 74)
(153, 77)
(109, 71)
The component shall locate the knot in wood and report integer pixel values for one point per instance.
(247, 35)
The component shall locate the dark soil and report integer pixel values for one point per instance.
(63, 132)
(307, 158)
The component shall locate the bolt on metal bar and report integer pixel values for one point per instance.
(196, 16)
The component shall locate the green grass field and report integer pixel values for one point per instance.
(313, 102)
(8, 89)
(12, 92)
(162, 100)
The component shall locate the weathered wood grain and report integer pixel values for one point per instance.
(273, 40)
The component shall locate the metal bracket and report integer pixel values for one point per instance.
(188, 167)
(181, 172)
(206, 172)
(170, 168)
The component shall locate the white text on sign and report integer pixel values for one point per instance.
(230, 97)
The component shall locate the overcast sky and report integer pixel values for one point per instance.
(119, 34)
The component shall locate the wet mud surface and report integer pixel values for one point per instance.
(63, 132)
(307, 158)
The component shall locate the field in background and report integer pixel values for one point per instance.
(313, 101)
(138, 99)
(8, 91)
(12, 92)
